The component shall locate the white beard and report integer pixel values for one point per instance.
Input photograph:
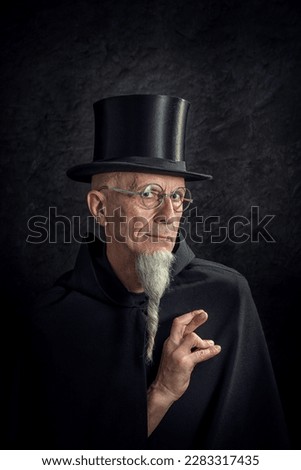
(154, 272)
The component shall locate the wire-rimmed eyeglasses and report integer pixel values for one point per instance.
(152, 196)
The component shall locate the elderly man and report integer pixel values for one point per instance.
(142, 345)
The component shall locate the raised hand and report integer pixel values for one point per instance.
(182, 351)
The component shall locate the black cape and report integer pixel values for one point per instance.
(84, 379)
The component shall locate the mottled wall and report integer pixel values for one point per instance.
(238, 63)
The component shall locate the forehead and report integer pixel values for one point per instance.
(140, 179)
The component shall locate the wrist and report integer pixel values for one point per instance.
(160, 395)
(158, 403)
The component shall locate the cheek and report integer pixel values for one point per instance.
(138, 226)
(126, 224)
(115, 223)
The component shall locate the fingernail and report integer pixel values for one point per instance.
(211, 342)
(217, 347)
(202, 313)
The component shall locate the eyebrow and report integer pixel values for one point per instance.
(134, 186)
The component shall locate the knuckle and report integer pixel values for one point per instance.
(168, 346)
(176, 321)
(207, 353)
(202, 354)
(193, 337)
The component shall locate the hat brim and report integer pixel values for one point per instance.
(83, 173)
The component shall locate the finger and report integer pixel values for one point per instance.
(193, 341)
(195, 322)
(180, 323)
(201, 355)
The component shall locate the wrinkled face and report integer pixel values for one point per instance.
(126, 219)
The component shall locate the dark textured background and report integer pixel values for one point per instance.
(238, 63)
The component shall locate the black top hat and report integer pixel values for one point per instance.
(141, 133)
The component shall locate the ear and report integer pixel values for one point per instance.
(96, 204)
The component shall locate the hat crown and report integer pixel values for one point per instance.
(148, 126)
(138, 133)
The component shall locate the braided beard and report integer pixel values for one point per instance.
(154, 270)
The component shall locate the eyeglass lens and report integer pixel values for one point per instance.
(153, 195)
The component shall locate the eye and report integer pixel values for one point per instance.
(177, 195)
(149, 192)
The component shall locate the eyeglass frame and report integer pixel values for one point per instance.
(160, 197)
